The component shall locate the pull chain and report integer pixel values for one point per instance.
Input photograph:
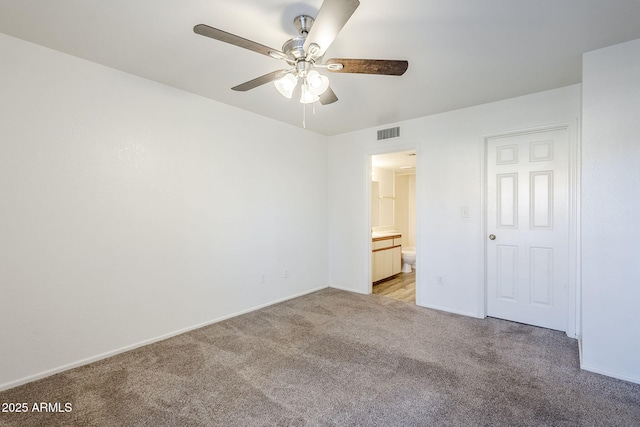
(304, 116)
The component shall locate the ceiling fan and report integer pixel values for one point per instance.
(305, 53)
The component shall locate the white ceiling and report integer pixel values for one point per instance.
(460, 52)
(400, 162)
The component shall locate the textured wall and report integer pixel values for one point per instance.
(611, 211)
(130, 210)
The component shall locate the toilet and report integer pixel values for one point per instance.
(408, 258)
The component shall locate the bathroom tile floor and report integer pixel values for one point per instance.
(402, 286)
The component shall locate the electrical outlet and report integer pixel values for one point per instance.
(286, 274)
(263, 278)
(440, 280)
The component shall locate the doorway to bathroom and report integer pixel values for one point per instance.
(393, 225)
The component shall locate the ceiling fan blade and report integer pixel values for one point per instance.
(259, 81)
(223, 36)
(332, 16)
(369, 66)
(328, 97)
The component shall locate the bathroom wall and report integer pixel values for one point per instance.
(385, 201)
(405, 207)
(131, 211)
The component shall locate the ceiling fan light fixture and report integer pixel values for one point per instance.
(314, 49)
(306, 96)
(317, 83)
(286, 85)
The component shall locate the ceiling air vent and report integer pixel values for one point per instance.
(388, 133)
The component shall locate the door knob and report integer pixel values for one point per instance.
(492, 237)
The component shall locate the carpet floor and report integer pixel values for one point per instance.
(343, 359)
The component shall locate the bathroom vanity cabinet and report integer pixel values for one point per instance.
(386, 256)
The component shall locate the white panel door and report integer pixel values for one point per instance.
(528, 228)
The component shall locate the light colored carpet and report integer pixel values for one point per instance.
(337, 358)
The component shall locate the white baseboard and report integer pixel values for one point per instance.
(612, 374)
(448, 310)
(107, 354)
(348, 290)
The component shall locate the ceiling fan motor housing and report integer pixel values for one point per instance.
(294, 48)
(303, 23)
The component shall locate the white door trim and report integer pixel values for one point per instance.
(574, 297)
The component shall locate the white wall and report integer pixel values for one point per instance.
(130, 210)
(611, 211)
(449, 162)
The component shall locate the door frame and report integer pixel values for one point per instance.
(368, 169)
(573, 294)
